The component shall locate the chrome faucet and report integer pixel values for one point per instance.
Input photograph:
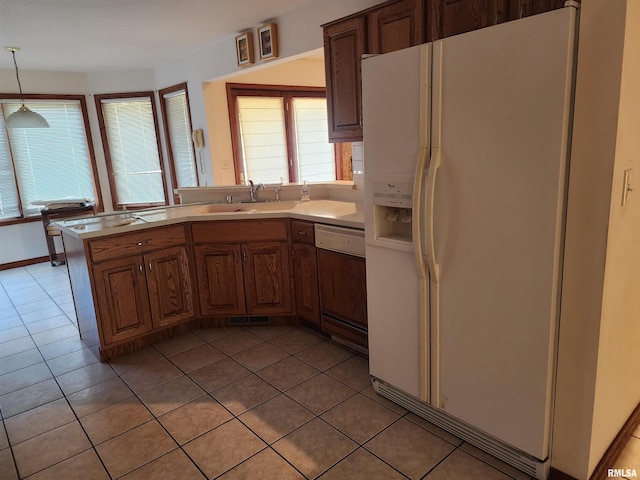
(253, 191)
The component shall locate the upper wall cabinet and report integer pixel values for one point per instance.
(524, 8)
(395, 26)
(451, 17)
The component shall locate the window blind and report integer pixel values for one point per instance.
(180, 136)
(316, 161)
(133, 148)
(49, 163)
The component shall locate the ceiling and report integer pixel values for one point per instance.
(102, 35)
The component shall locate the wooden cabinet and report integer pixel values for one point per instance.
(344, 44)
(524, 8)
(451, 17)
(242, 267)
(391, 26)
(305, 273)
(395, 26)
(136, 293)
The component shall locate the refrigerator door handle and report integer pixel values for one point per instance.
(434, 166)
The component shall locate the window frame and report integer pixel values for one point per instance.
(287, 93)
(107, 153)
(167, 134)
(99, 207)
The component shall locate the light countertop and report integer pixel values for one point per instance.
(346, 214)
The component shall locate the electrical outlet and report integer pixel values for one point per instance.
(626, 186)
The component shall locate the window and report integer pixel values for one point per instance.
(279, 134)
(132, 150)
(177, 126)
(38, 164)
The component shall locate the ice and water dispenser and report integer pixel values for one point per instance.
(392, 212)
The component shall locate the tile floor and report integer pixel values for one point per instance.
(229, 403)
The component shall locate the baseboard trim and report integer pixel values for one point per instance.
(558, 475)
(619, 443)
(23, 263)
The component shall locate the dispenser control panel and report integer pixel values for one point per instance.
(393, 194)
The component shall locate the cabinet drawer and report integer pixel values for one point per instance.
(135, 243)
(302, 232)
(239, 231)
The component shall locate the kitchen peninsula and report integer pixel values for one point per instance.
(138, 278)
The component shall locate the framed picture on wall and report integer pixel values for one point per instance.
(244, 49)
(268, 37)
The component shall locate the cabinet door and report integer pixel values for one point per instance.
(395, 26)
(219, 275)
(122, 299)
(305, 274)
(343, 289)
(524, 8)
(267, 279)
(343, 46)
(169, 285)
(451, 17)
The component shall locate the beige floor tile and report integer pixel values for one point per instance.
(115, 420)
(48, 324)
(210, 334)
(20, 360)
(33, 306)
(353, 372)
(39, 420)
(16, 346)
(371, 393)
(219, 374)
(437, 431)
(360, 418)
(85, 377)
(244, 394)
(171, 395)
(150, 375)
(55, 334)
(197, 357)
(7, 467)
(493, 461)
(99, 396)
(325, 355)
(265, 465)
(630, 456)
(287, 373)
(320, 393)
(135, 448)
(276, 418)
(361, 465)
(236, 342)
(267, 332)
(4, 441)
(13, 333)
(25, 377)
(295, 341)
(72, 361)
(194, 419)
(409, 448)
(259, 356)
(29, 397)
(83, 466)
(174, 465)
(223, 448)
(62, 347)
(50, 448)
(462, 466)
(314, 447)
(178, 344)
(141, 359)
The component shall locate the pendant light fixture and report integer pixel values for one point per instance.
(23, 117)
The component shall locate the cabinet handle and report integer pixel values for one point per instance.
(150, 267)
(141, 244)
(300, 232)
(244, 256)
(521, 11)
(141, 268)
(235, 257)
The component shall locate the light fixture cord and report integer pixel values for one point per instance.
(18, 77)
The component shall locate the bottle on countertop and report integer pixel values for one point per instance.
(306, 193)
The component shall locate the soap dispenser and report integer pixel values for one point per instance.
(306, 193)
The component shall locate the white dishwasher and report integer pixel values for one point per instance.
(342, 278)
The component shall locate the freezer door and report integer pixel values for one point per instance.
(501, 123)
(395, 109)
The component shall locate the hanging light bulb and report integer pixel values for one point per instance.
(23, 117)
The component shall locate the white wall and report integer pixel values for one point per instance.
(599, 358)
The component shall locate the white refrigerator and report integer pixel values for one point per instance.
(466, 148)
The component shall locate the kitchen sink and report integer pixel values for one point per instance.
(223, 208)
(272, 206)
